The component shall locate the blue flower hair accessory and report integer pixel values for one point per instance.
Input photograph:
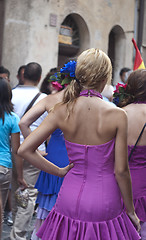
(68, 72)
(65, 76)
(69, 68)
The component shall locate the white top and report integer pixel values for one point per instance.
(21, 98)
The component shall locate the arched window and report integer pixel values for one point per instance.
(116, 50)
(73, 38)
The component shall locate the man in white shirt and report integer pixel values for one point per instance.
(22, 95)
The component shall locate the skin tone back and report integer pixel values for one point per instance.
(136, 119)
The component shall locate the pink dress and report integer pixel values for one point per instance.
(89, 202)
(137, 165)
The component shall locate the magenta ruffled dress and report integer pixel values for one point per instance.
(137, 165)
(89, 205)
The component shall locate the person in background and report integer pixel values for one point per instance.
(107, 93)
(5, 73)
(89, 202)
(20, 75)
(123, 72)
(9, 139)
(134, 103)
(46, 86)
(8, 209)
(22, 96)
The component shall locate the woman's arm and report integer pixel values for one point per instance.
(28, 148)
(15, 143)
(122, 169)
(32, 115)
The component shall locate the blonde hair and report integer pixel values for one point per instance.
(93, 66)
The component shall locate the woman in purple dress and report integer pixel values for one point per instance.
(134, 103)
(89, 202)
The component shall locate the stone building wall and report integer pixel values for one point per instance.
(30, 35)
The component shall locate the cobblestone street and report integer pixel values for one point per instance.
(6, 230)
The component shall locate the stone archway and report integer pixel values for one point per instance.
(73, 38)
(116, 50)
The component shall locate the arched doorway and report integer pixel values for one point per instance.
(73, 38)
(116, 51)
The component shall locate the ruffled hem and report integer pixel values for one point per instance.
(42, 213)
(140, 208)
(58, 227)
(48, 184)
(46, 201)
(41, 216)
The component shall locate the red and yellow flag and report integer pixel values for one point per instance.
(138, 62)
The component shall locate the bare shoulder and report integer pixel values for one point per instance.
(127, 107)
(51, 100)
(121, 112)
(118, 115)
(114, 109)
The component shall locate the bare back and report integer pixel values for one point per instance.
(136, 119)
(92, 122)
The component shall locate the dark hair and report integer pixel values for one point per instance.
(45, 83)
(32, 71)
(44, 88)
(19, 70)
(136, 88)
(124, 70)
(4, 70)
(5, 98)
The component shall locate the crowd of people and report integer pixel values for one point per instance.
(75, 148)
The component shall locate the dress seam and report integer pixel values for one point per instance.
(83, 182)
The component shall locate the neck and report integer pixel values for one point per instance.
(99, 88)
(30, 83)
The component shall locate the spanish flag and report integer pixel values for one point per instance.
(138, 62)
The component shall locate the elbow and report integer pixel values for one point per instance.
(21, 151)
(121, 173)
(21, 124)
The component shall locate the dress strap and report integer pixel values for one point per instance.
(137, 141)
(90, 93)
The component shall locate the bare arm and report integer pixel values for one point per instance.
(28, 148)
(122, 169)
(37, 110)
(15, 143)
(32, 115)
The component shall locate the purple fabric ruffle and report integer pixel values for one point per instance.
(58, 227)
(140, 208)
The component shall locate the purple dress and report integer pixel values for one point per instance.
(89, 205)
(137, 165)
(89, 202)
